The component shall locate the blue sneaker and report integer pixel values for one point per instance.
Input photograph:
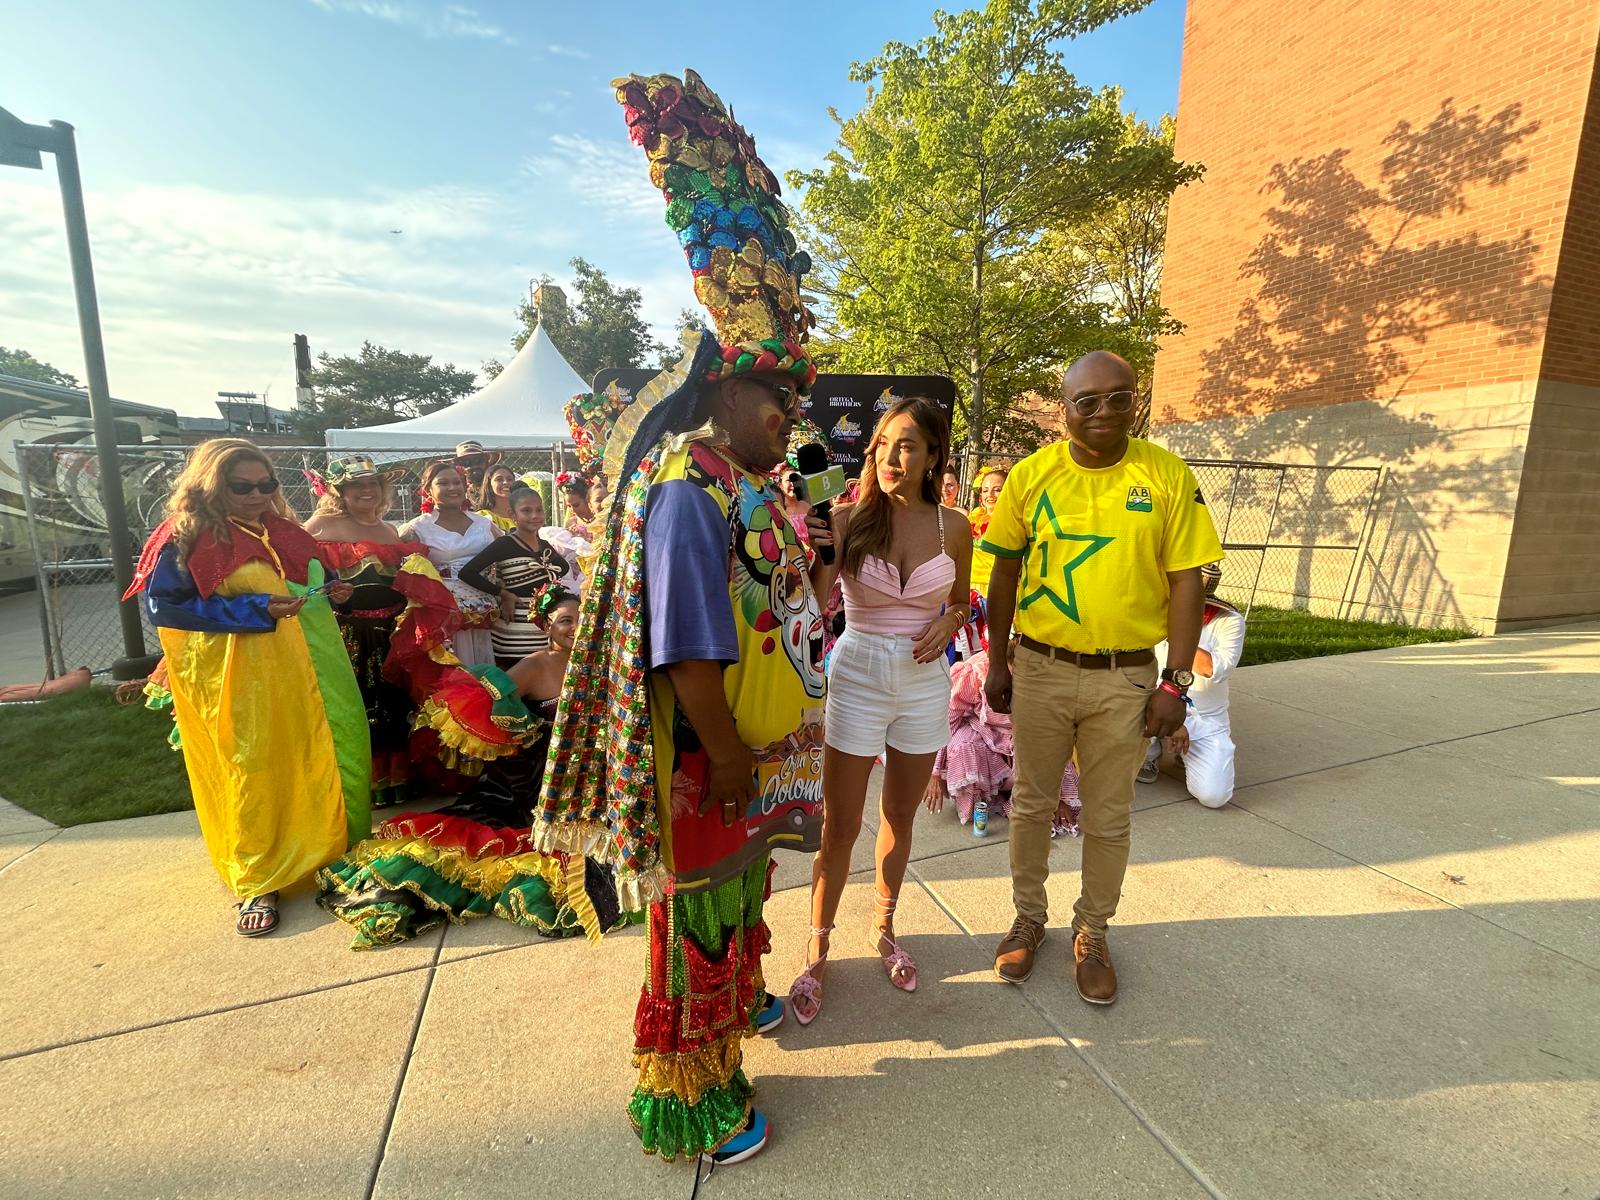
(746, 1144)
(980, 819)
(770, 1015)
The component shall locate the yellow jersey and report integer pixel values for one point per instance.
(1097, 544)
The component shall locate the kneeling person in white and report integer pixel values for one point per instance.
(1208, 755)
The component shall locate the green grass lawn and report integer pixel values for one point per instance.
(83, 757)
(1280, 634)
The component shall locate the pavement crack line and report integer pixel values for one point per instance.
(1462, 737)
(30, 849)
(405, 1070)
(1422, 891)
(1079, 1048)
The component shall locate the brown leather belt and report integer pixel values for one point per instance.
(1127, 658)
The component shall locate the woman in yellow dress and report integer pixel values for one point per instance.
(273, 727)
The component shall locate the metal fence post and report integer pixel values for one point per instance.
(52, 643)
(1272, 520)
(1363, 542)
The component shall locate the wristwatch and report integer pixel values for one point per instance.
(1181, 678)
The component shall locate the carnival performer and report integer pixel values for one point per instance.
(514, 567)
(272, 724)
(452, 537)
(976, 768)
(493, 498)
(687, 741)
(575, 487)
(474, 858)
(903, 561)
(990, 484)
(365, 551)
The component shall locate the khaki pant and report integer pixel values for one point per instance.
(1056, 707)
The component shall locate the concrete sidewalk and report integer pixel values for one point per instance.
(1376, 974)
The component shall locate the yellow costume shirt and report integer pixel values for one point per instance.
(1097, 545)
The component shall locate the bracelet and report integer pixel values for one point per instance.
(1172, 689)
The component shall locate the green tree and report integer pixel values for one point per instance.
(22, 365)
(375, 387)
(931, 220)
(602, 329)
(688, 319)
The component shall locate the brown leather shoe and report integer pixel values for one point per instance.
(1013, 958)
(1097, 978)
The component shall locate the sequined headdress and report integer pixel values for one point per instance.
(722, 202)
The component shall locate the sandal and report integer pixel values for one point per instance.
(902, 968)
(807, 986)
(257, 915)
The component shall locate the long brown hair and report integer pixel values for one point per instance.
(870, 529)
(199, 503)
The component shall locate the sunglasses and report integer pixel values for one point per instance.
(1117, 402)
(785, 394)
(266, 487)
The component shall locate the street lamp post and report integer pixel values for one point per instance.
(21, 146)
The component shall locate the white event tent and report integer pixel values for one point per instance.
(521, 406)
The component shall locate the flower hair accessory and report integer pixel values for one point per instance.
(548, 598)
(722, 202)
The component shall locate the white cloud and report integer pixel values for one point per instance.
(615, 175)
(203, 290)
(567, 51)
(434, 21)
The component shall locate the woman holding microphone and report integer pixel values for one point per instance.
(903, 563)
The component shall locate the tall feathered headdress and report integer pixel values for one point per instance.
(723, 204)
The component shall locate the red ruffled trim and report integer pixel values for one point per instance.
(718, 991)
(344, 555)
(431, 616)
(472, 838)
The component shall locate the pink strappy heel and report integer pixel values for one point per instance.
(902, 968)
(807, 986)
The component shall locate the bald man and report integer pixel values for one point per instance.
(1098, 544)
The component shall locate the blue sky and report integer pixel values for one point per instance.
(246, 161)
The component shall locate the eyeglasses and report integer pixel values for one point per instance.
(266, 487)
(1117, 402)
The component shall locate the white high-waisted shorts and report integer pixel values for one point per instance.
(879, 695)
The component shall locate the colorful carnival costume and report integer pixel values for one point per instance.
(272, 723)
(449, 552)
(977, 764)
(366, 623)
(466, 717)
(471, 859)
(697, 561)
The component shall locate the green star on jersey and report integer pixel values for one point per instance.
(1093, 544)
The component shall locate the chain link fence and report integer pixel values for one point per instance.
(62, 525)
(1295, 536)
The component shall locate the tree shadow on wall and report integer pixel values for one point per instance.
(1351, 282)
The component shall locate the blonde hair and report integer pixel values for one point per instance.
(331, 502)
(199, 500)
(871, 526)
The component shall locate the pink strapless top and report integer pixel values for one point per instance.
(876, 601)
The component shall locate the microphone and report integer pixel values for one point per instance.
(820, 484)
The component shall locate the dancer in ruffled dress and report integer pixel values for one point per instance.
(452, 536)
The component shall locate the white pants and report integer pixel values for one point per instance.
(1208, 762)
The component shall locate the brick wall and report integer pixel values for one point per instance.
(1370, 268)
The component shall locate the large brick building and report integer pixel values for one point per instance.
(1394, 259)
